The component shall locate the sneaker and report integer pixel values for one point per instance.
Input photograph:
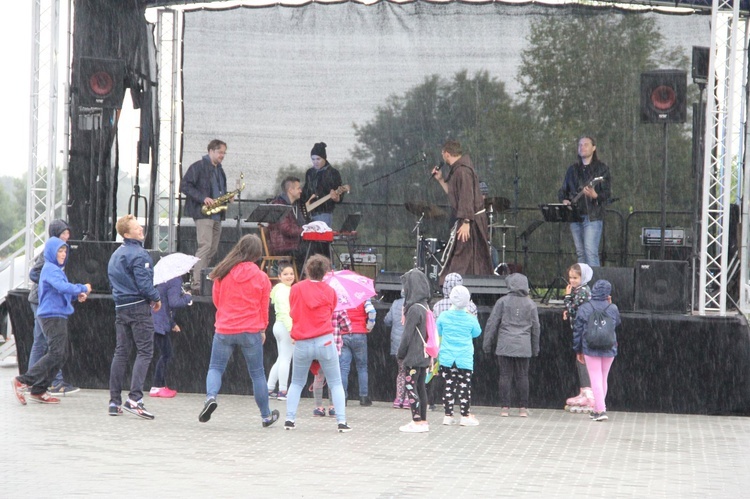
(397, 403)
(289, 425)
(18, 390)
(63, 388)
(114, 410)
(281, 396)
(432, 407)
(448, 420)
(319, 411)
(271, 419)
(523, 412)
(504, 412)
(164, 392)
(272, 394)
(415, 428)
(406, 404)
(137, 408)
(208, 408)
(469, 420)
(602, 416)
(43, 398)
(331, 411)
(344, 428)
(365, 401)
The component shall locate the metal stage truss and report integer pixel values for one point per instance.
(724, 156)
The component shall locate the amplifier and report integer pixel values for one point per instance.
(361, 258)
(673, 236)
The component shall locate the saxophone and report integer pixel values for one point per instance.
(221, 203)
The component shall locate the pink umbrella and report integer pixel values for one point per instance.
(351, 288)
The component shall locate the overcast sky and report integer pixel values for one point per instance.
(15, 38)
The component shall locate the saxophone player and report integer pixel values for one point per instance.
(204, 182)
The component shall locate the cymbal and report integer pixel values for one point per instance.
(502, 227)
(499, 204)
(420, 208)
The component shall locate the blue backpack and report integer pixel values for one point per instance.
(600, 330)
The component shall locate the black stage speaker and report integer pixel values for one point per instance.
(700, 65)
(486, 289)
(388, 286)
(664, 96)
(623, 285)
(101, 82)
(229, 238)
(87, 263)
(661, 286)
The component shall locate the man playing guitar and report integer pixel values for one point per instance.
(322, 180)
(590, 193)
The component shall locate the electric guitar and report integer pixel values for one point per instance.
(594, 181)
(314, 201)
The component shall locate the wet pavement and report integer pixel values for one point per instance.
(76, 449)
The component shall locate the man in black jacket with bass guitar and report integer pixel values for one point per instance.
(587, 186)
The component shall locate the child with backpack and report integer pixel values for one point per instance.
(576, 294)
(457, 328)
(413, 349)
(595, 342)
(514, 321)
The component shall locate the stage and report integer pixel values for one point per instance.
(667, 362)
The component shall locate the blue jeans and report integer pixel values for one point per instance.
(39, 347)
(323, 349)
(324, 217)
(586, 237)
(354, 345)
(252, 348)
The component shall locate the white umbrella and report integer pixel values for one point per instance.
(173, 265)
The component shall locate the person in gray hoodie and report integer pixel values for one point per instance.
(514, 325)
(412, 348)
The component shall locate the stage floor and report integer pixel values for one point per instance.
(550, 454)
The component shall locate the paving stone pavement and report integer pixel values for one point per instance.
(75, 449)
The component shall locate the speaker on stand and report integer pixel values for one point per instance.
(101, 83)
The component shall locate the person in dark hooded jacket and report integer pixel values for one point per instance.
(514, 324)
(55, 306)
(412, 348)
(57, 228)
(598, 362)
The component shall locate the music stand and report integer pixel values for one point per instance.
(269, 213)
(565, 213)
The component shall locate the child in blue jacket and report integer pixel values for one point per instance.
(457, 329)
(56, 295)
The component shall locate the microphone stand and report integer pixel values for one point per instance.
(402, 167)
(516, 181)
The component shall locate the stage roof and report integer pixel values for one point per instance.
(676, 7)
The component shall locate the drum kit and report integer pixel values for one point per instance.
(431, 256)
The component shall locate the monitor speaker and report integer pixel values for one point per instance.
(623, 285)
(388, 286)
(486, 289)
(661, 286)
(87, 263)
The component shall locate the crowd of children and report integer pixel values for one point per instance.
(313, 335)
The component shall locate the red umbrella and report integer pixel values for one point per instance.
(351, 288)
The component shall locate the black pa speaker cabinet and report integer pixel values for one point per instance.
(622, 280)
(87, 263)
(486, 289)
(661, 286)
(101, 82)
(388, 286)
(207, 285)
(664, 96)
(700, 65)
